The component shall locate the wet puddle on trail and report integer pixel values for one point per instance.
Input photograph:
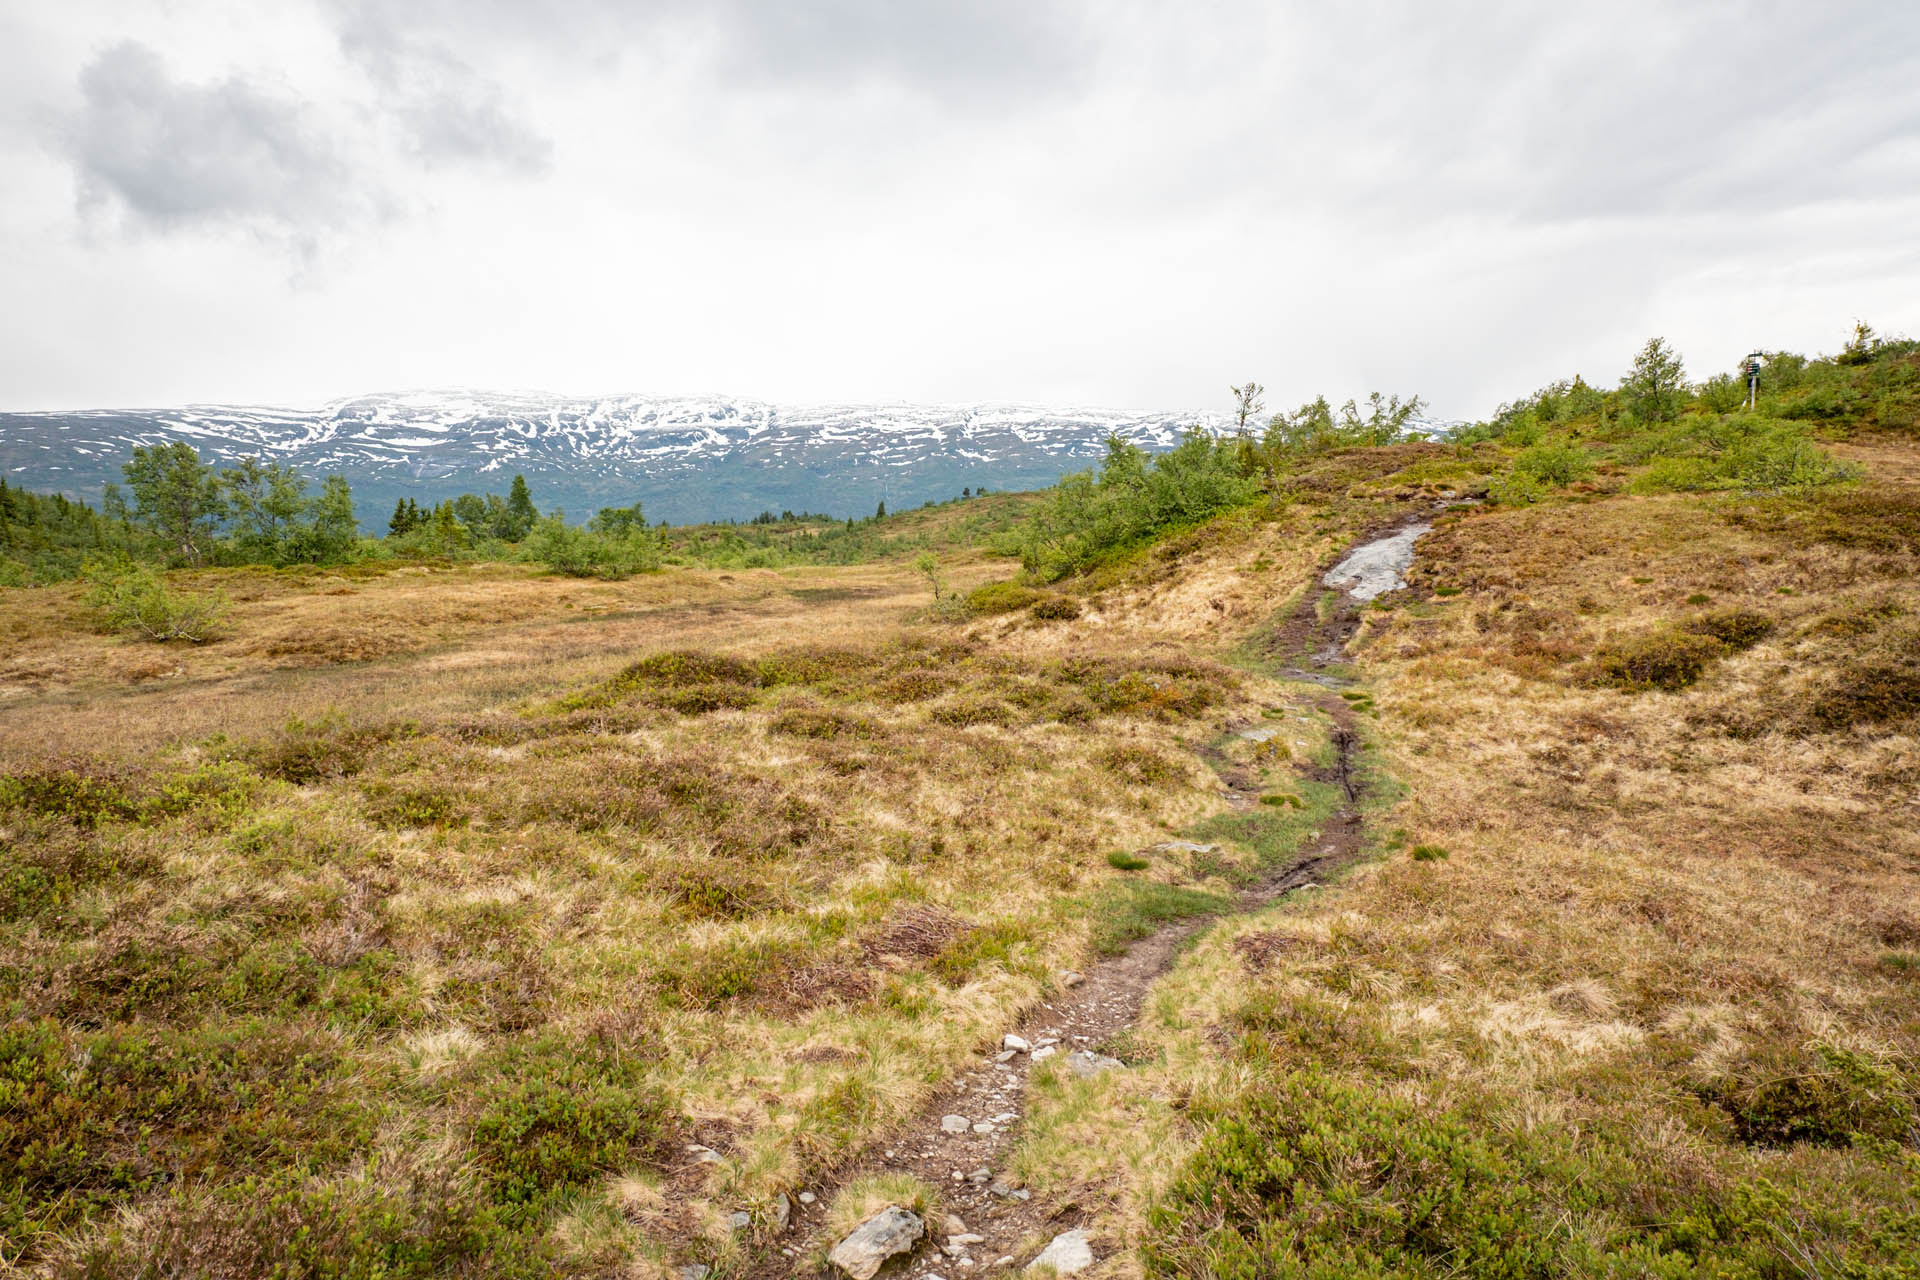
(1377, 567)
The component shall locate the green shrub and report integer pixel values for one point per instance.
(822, 722)
(397, 808)
(1120, 860)
(1134, 499)
(91, 1117)
(1557, 464)
(1871, 690)
(84, 799)
(132, 599)
(1782, 460)
(557, 1113)
(1056, 608)
(1817, 1093)
(1427, 853)
(974, 947)
(1141, 766)
(1517, 489)
(1002, 597)
(376, 1224)
(584, 553)
(1661, 660)
(1308, 1176)
(1286, 799)
(1737, 629)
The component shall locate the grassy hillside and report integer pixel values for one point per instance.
(467, 919)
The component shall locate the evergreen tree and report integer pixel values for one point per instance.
(400, 522)
(880, 512)
(521, 512)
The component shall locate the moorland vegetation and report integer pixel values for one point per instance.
(434, 913)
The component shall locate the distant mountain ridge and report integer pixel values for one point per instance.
(688, 458)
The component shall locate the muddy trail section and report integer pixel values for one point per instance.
(962, 1139)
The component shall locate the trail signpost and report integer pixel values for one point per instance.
(1752, 367)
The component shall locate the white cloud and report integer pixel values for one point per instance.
(1133, 202)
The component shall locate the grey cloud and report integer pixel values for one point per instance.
(972, 51)
(174, 155)
(447, 112)
(976, 53)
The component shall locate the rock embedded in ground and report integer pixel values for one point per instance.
(1069, 1252)
(867, 1247)
(1070, 978)
(739, 1220)
(807, 1197)
(695, 1271)
(782, 1212)
(1015, 1043)
(954, 1124)
(1044, 1052)
(703, 1155)
(1085, 1063)
(1376, 567)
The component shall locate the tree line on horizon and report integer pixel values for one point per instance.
(1686, 437)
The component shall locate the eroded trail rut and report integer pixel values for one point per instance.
(968, 1161)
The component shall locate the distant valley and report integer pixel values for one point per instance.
(686, 458)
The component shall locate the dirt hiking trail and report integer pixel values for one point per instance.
(967, 1160)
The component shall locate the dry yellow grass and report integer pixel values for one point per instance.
(486, 838)
(1647, 899)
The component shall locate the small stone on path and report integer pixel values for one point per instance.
(866, 1249)
(1085, 1063)
(1068, 1253)
(954, 1124)
(1015, 1043)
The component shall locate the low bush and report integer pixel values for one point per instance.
(823, 722)
(1737, 629)
(584, 553)
(1309, 1176)
(1668, 659)
(554, 1113)
(1120, 860)
(1817, 1093)
(1002, 597)
(1056, 608)
(1427, 853)
(1555, 465)
(1140, 766)
(400, 807)
(133, 599)
(1872, 690)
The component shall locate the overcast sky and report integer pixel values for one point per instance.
(1121, 204)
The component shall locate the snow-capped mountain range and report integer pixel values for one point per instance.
(685, 458)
